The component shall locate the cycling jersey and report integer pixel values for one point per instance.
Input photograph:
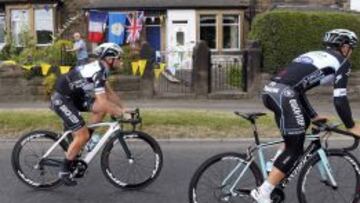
(320, 68)
(74, 92)
(83, 80)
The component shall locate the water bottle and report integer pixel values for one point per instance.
(269, 164)
(95, 138)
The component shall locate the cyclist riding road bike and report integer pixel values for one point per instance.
(285, 96)
(85, 88)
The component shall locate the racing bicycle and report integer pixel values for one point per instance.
(325, 175)
(129, 159)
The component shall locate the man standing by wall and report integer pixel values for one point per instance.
(80, 49)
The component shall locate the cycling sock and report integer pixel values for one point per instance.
(266, 189)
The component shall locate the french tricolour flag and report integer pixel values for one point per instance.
(97, 22)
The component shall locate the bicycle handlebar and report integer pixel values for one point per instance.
(134, 120)
(323, 126)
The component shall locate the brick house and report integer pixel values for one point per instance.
(224, 24)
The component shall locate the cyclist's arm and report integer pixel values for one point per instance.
(112, 95)
(340, 95)
(102, 101)
(103, 104)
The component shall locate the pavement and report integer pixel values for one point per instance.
(181, 158)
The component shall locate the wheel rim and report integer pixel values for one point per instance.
(210, 185)
(139, 169)
(29, 169)
(315, 190)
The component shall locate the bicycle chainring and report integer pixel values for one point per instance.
(79, 168)
(278, 195)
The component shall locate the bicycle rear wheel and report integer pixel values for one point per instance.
(26, 159)
(311, 187)
(131, 160)
(211, 181)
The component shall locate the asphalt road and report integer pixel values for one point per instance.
(181, 158)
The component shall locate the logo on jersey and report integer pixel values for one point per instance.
(339, 77)
(289, 93)
(304, 59)
(297, 112)
(57, 102)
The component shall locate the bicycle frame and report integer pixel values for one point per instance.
(112, 127)
(314, 147)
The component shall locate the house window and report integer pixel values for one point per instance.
(19, 24)
(180, 38)
(208, 30)
(44, 26)
(2, 28)
(230, 28)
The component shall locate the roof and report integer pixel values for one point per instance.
(165, 4)
(28, 1)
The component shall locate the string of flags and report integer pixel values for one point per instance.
(138, 67)
(122, 26)
(44, 67)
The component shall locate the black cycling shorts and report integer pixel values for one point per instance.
(290, 115)
(68, 110)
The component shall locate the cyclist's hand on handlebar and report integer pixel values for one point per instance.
(355, 130)
(320, 119)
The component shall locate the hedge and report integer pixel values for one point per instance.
(285, 34)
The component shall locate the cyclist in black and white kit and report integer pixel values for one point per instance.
(85, 88)
(285, 96)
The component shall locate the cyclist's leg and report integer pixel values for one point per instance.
(293, 123)
(96, 114)
(289, 116)
(67, 111)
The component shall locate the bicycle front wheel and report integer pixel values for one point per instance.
(131, 160)
(213, 180)
(314, 184)
(28, 164)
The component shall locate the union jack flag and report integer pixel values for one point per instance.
(136, 23)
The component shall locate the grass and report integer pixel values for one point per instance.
(159, 123)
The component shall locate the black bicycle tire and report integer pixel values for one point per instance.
(314, 160)
(210, 161)
(107, 150)
(17, 150)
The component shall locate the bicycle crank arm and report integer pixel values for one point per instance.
(50, 162)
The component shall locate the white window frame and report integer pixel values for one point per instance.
(52, 27)
(14, 35)
(231, 24)
(2, 15)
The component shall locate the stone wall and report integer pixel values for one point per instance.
(15, 88)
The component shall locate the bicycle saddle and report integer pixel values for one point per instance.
(250, 116)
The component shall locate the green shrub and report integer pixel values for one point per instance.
(285, 34)
(49, 83)
(128, 56)
(235, 75)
